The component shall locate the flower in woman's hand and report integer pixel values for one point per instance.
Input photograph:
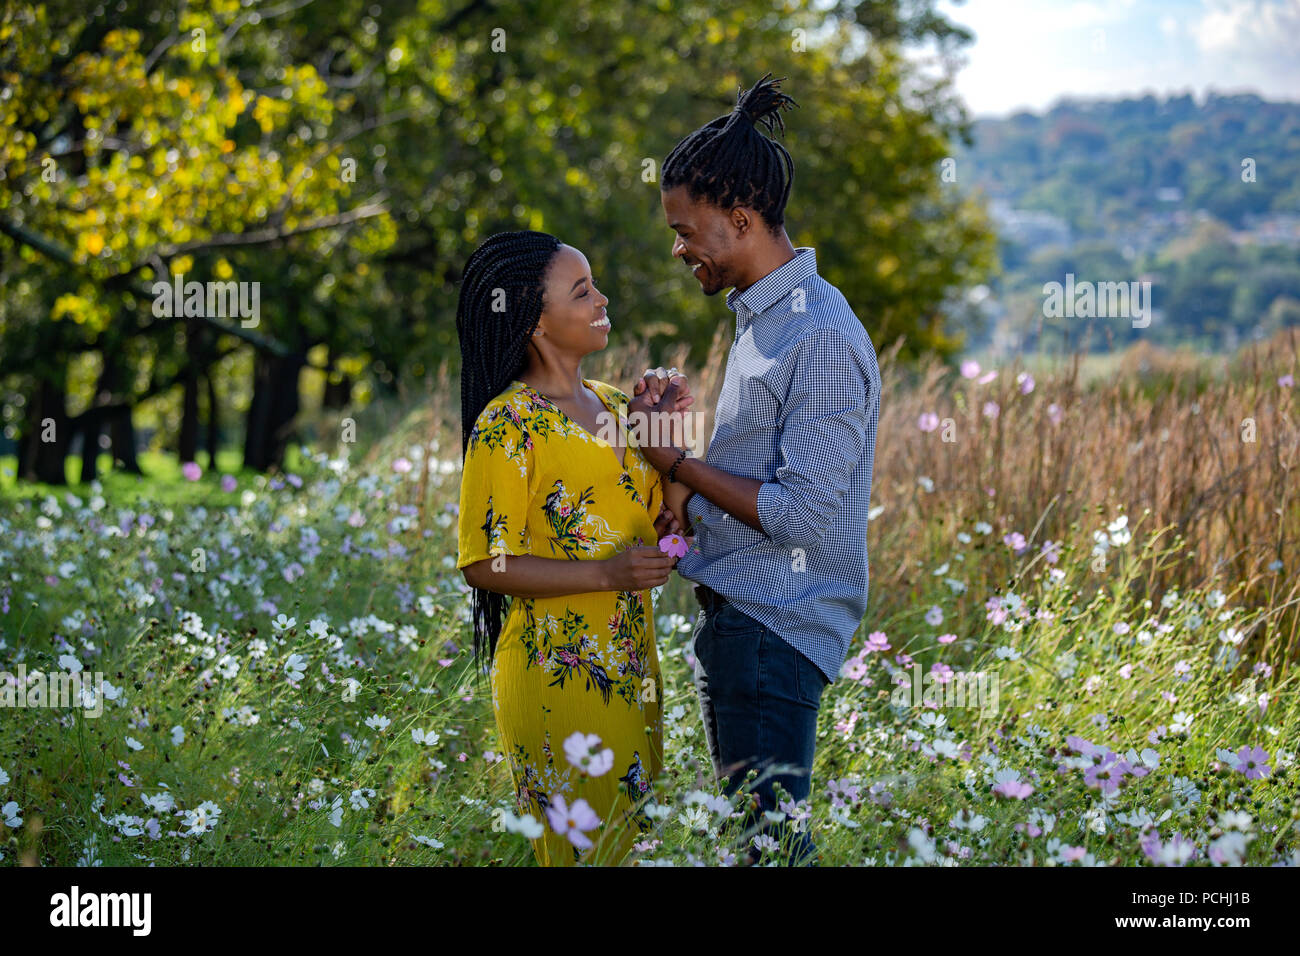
(673, 544)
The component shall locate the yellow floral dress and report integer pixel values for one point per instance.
(537, 482)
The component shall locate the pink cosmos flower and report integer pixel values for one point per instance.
(191, 471)
(991, 409)
(1287, 381)
(1026, 383)
(1015, 789)
(876, 641)
(673, 544)
(585, 753)
(1054, 413)
(402, 466)
(928, 421)
(572, 822)
(970, 368)
(947, 638)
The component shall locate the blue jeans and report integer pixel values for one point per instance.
(759, 698)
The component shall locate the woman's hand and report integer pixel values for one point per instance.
(657, 384)
(638, 569)
(667, 522)
(675, 494)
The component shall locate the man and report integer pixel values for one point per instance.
(779, 511)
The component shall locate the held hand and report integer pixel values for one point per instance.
(666, 523)
(639, 569)
(657, 384)
(659, 455)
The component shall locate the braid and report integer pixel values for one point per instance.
(508, 270)
(730, 163)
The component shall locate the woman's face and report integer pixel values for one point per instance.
(573, 318)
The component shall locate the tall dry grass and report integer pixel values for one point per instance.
(1206, 448)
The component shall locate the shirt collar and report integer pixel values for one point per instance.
(776, 285)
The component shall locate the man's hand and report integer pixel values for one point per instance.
(658, 383)
(661, 457)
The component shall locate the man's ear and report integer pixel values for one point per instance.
(742, 220)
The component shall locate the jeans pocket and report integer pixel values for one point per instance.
(730, 622)
(809, 680)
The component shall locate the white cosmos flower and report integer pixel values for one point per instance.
(295, 667)
(526, 825)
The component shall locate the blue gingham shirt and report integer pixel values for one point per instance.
(798, 410)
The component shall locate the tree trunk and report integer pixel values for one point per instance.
(187, 446)
(121, 432)
(43, 448)
(272, 410)
(214, 420)
(94, 418)
(338, 394)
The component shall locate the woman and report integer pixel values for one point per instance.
(566, 523)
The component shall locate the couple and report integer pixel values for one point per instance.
(566, 523)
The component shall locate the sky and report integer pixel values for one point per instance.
(1027, 54)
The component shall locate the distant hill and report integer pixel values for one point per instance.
(1202, 200)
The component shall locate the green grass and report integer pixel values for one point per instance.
(161, 479)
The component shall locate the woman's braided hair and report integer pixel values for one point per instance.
(729, 162)
(501, 299)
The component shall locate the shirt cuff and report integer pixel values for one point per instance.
(772, 504)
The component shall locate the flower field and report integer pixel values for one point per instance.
(1077, 654)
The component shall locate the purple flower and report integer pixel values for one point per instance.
(191, 471)
(934, 616)
(876, 641)
(991, 409)
(928, 421)
(1253, 762)
(1287, 381)
(1081, 745)
(1054, 413)
(1107, 774)
(1015, 541)
(228, 483)
(1051, 551)
(970, 368)
(401, 466)
(1026, 383)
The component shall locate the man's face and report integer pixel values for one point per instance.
(706, 239)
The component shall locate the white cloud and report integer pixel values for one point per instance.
(1030, 53)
